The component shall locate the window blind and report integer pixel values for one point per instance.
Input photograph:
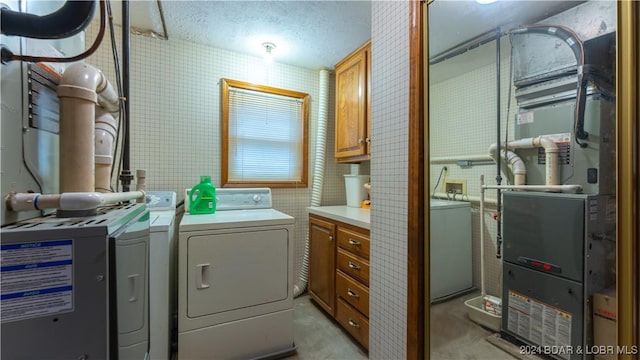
(266, 136)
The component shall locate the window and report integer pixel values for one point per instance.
(264, 136)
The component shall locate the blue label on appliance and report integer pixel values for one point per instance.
(36, 279)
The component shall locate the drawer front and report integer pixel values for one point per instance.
(354, 266)
(352, 292)
(354, 242)
(355, 323)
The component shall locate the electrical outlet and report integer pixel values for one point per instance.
(455, 186)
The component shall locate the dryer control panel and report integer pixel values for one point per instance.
(239, 198)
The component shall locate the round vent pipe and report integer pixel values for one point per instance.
(70, 19)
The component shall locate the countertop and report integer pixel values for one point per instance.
(351, 215)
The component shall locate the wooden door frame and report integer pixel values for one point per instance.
(417, 317)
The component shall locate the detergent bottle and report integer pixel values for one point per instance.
(202, 197)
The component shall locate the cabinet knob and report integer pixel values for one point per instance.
(354, 324)
(368, 140)
(354, 266)
(353, 294)
(354, 242)
(361, 141)
(330, 237)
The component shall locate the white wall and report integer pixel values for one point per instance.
(389, 172)
(463, 121)
(175, 116)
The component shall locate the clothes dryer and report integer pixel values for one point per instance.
(235, 279)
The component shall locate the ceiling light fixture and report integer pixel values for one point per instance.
(268, 49)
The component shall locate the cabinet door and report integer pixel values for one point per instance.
(322, 263)
(351, 102)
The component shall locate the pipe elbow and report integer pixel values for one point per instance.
(80, 81)
(549, 145)
(105, 133)
(493, 151)
(107, 96)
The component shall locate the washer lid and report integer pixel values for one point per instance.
(161, 220)
(235, 219)
(434, 203)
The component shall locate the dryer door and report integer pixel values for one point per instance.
(236, 272)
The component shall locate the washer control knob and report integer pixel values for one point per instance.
(257, 198)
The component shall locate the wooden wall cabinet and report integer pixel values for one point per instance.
(347, 299)
(353, 93)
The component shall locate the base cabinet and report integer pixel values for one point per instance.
(322, 263)
(339, 273)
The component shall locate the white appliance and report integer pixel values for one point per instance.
(235, 279)
(451, 272)
(162, 270)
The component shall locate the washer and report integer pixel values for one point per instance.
(162, 271)
(451, 252)
(235, 279)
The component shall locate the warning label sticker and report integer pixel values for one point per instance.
(538, 322)
(36, 279)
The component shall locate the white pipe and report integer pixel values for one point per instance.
(67, 201)
(141, 184)
(469, 198)
(81, 88)
(105, 134)
(551, 151)
(318, 173)
(518, 167)
(556, 188)
(551, 159)
(482, 281)
(454, 159)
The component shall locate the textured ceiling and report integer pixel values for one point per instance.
(318, 33)
(311, 34)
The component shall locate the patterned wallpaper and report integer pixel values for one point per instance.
(389, 172)
(175, 116)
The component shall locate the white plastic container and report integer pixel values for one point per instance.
(354, 186)
(476, 312)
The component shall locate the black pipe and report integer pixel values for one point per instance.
(70, 19)
(125, 175)
(499, 175)
(7, 56)
(576, 45)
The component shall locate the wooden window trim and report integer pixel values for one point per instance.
(225, 85)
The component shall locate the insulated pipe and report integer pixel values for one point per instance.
(318, 173)
(70, 19)
(106, 128)
(67, 201)
(78, 93)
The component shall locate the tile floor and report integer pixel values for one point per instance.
(453, 335)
